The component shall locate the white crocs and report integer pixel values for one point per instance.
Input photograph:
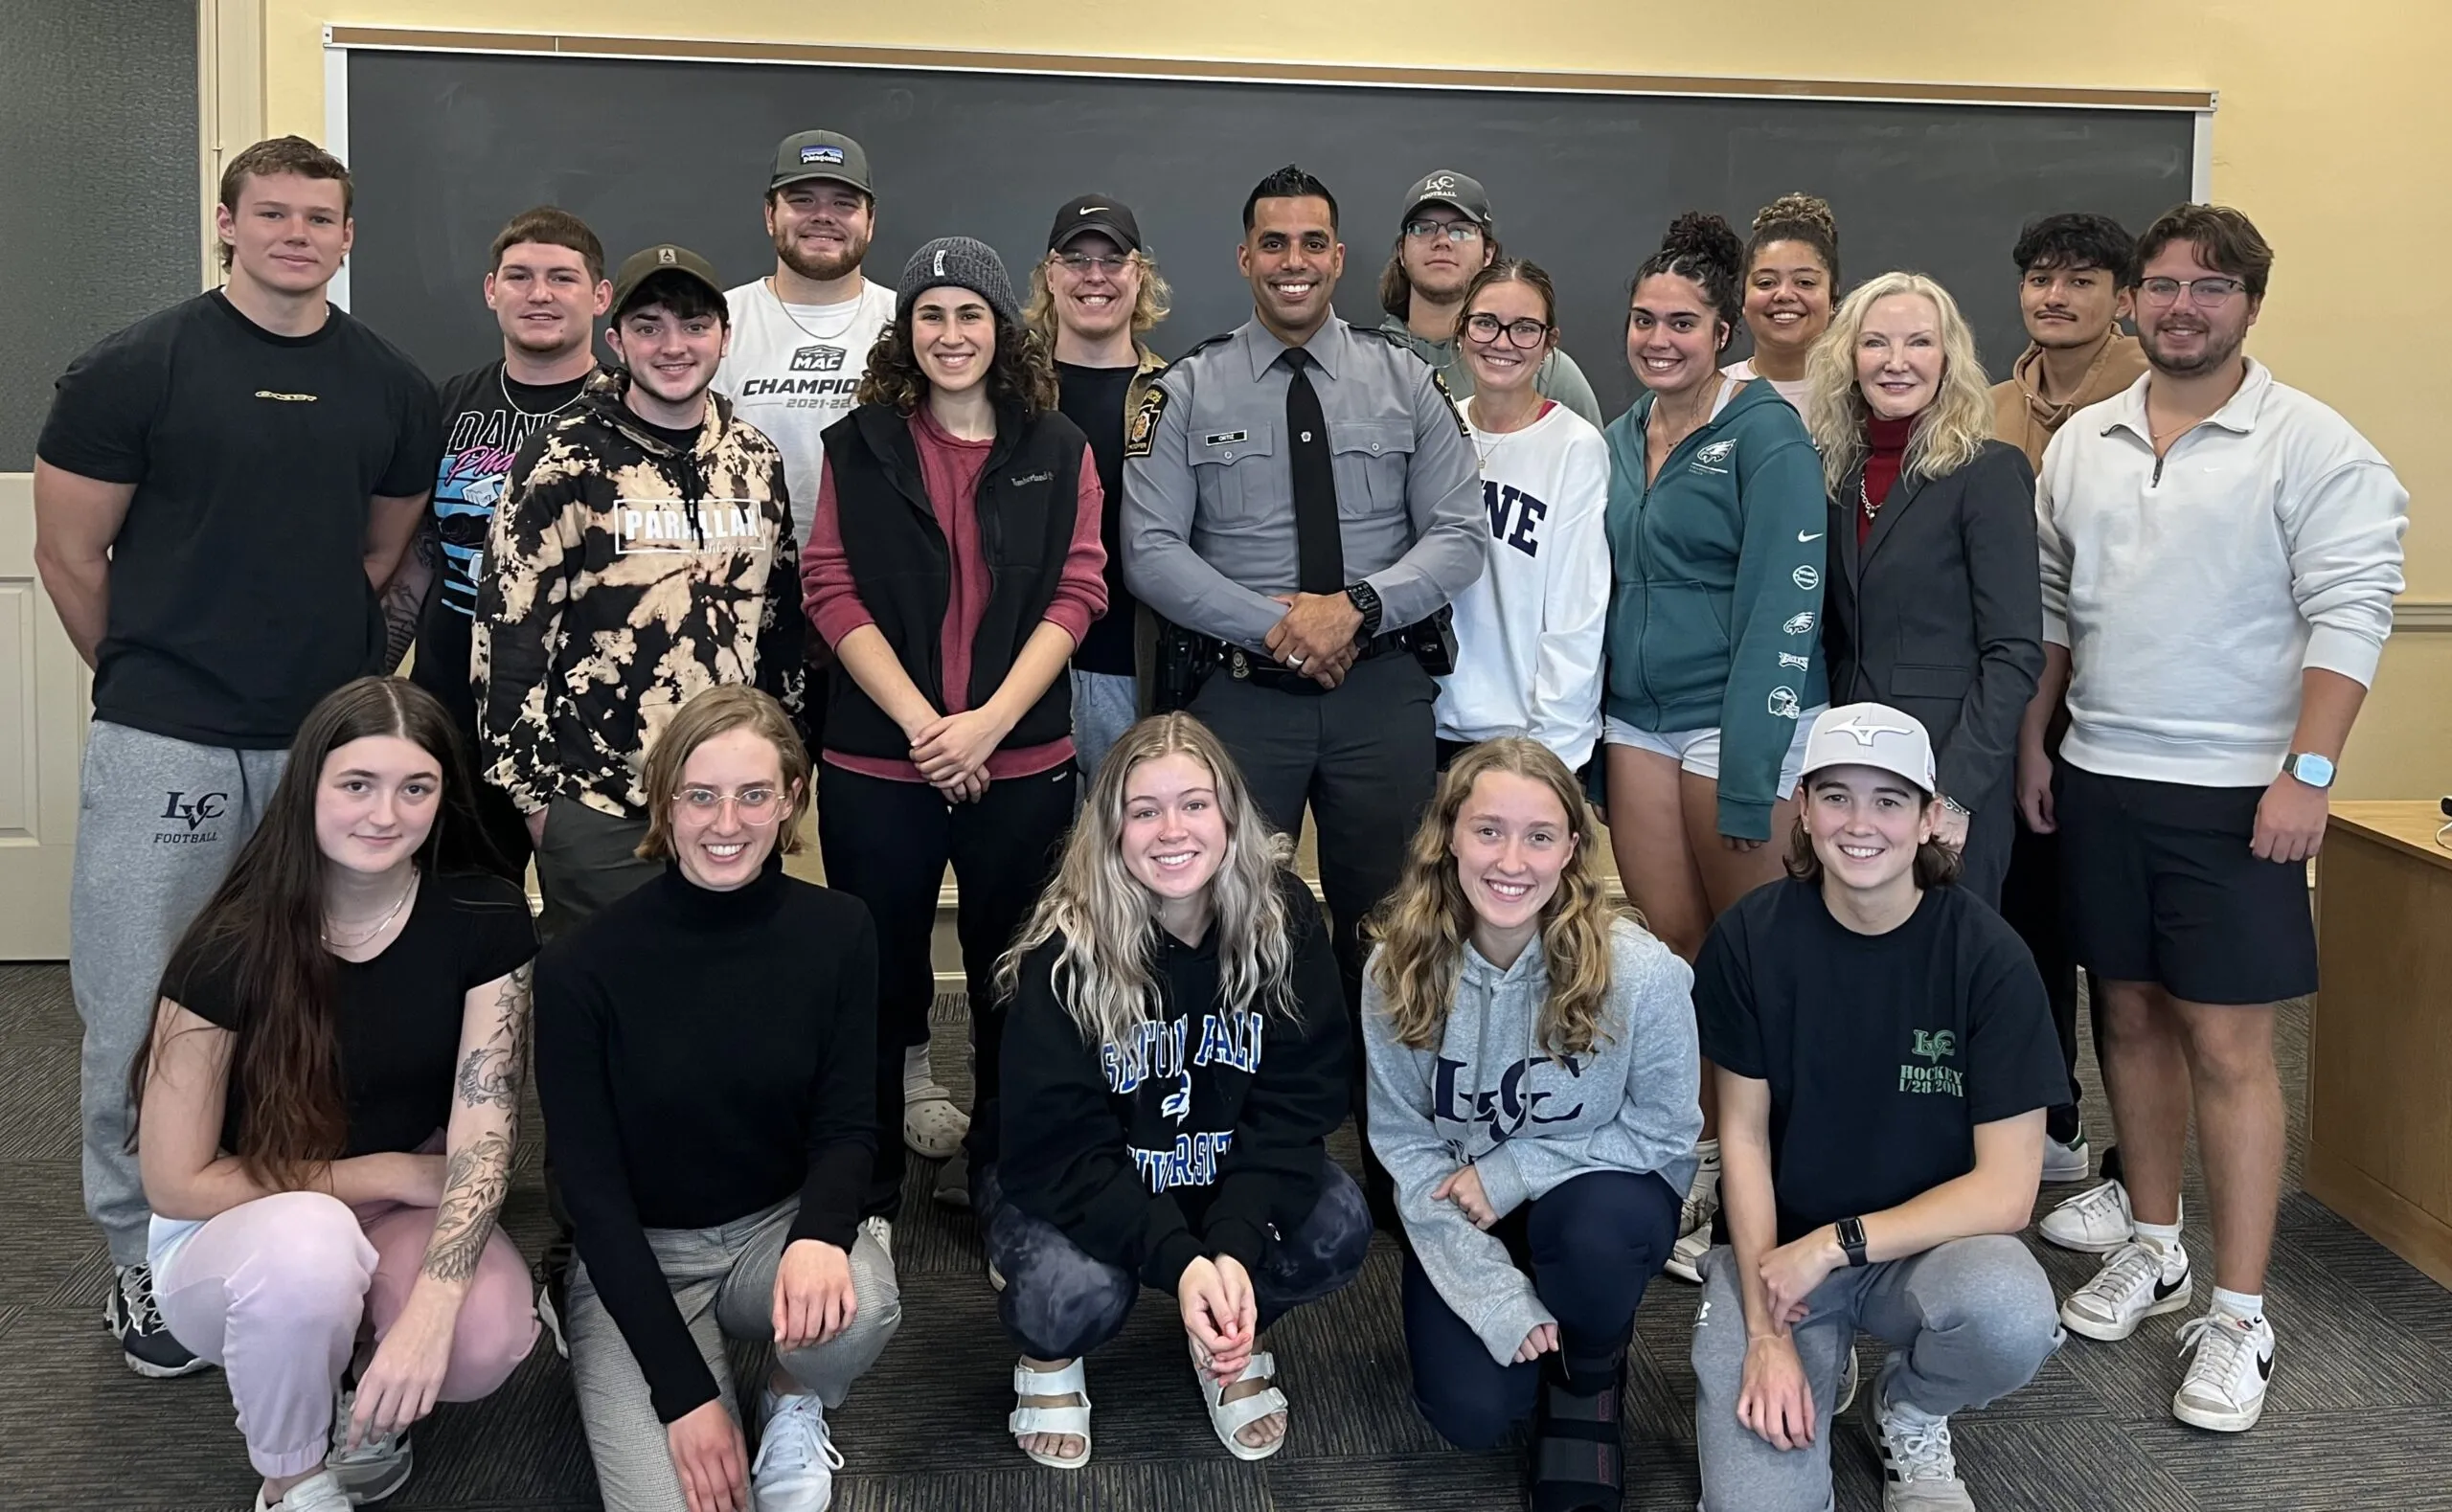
(932, 1126)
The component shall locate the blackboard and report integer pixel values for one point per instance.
(446, 146)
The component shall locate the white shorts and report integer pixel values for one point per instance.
(1698, 751)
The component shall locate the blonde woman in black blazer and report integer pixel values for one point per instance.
(1932, 603)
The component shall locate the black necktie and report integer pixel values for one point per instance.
(1318, 549)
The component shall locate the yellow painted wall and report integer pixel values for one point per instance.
(2335, 122)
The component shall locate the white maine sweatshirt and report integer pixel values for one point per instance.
(2193, 591)
(1528, 629)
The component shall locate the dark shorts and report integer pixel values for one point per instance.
(2158, 885)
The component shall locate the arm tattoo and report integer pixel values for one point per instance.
(474, 1185)
(492, 1073)
(405, 597)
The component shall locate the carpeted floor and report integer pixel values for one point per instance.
(2360, 1416)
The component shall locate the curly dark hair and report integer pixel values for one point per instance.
(1021, 373)
(1798, 217)
(1288, 182)
(1702, 248)
(2078, 240)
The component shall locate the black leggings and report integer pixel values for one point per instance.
(887, 843)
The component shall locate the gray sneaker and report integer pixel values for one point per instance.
(145, 1342)
(1918, 1467)
(374, 1469)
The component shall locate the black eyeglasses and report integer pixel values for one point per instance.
(2204, 293)
(1082, 264)
(1526, 332)
(1458, 231)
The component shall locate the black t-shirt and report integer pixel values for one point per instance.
(486, 414)
(1883, 1051)
(237, 585)
(398, 1017)
(1093, 398)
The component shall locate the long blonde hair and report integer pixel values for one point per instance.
(1154, 301)
(1421, 928)
(1953, 428)
(1106, 923)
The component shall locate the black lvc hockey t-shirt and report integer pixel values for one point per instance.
(239, 594)
(1883, 1051)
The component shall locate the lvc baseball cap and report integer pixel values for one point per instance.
(1447, 187)
(819, 154)
(1875, 736)
(664, 258)
(1102, 214)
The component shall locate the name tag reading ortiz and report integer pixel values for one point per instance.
(652, 525)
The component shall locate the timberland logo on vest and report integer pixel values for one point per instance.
(1935, 1046)
(654, 527)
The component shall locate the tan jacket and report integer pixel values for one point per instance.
(2026, 420)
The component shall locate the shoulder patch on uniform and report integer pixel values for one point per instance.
(1204, 345)
(1140, 437)
(1441, 384)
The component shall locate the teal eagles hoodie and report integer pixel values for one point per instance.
(1490, 1097)
(1715, 607)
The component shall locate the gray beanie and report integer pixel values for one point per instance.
(960, 262)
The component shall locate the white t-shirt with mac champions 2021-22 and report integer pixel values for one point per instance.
(792, 372)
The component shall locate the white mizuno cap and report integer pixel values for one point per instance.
(1875, 736)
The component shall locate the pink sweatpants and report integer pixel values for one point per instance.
(275, 1292)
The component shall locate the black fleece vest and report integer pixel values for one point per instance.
(902, 564)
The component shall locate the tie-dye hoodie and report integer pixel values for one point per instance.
(623, 576)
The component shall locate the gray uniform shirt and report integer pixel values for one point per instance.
(1207, 525)
(1557, 377)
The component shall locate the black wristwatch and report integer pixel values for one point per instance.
(1852, 1238)
(1366, 598)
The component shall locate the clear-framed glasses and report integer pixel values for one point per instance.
(1526, 332)
(755, 806)
(2203, 293)
(1081, 264)
(1456, 231)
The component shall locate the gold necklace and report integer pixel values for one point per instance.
(381, 924)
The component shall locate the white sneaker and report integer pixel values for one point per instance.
(880, 1228)
(1694, 1225)
(2097, 1221)
(794, 1470)
(2225, 1384)
(2137, 1281)
(1851, 1379)
(317, 1492)
(1918, 1467)
(375, 1468)
(2063, 1163)
(932, 1126)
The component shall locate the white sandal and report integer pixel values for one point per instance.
(1071, 1421)
(932, 1126)
(1230, 1419)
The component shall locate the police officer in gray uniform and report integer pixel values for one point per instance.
(1301, 504)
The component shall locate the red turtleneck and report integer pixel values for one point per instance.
(1888, 443)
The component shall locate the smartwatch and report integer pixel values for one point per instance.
(1366, 598)
(2316, 770)
(1852, 1238)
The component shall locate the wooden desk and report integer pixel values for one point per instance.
(2379, 1073)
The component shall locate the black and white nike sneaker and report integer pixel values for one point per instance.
(145, 1341)
(2225, 1384)
(2137, 1280)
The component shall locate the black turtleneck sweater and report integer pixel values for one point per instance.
(702, 1056)
(1205, 1130)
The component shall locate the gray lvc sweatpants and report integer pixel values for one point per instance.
(158, 822)
(1968, 1322)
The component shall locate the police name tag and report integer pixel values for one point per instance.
(1225, 438)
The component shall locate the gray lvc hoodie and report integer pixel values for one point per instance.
(1489, 1097)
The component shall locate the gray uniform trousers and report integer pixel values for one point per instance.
(1967, 1321)
(723, 1281)
(158, 824)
